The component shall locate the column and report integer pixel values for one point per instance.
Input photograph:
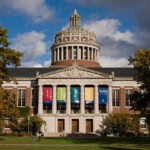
(62, 54)
(54, 57)
(98, 56)
(95, 55)
(96, 107)
(72, 53)
(92, 54)
(68, 99)
(40, 100)
(67, 53)
(88, 53)
(54, 104)
(82, 105)
(57, 54)
(110, 109)
(78, 52)
(83, 53)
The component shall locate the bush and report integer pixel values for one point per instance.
(15, 133)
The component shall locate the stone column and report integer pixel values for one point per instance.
(88, 53)
(62, 53)
(83, 53)
(82, 105)
(68, 99)
(54, 56)
(110, 109)
(54, 104)
(57, 54)
(40, 100)
(92, 54)
(67, 53)
(78, 52)
(96, 104)
(72, 53)
(95, 55)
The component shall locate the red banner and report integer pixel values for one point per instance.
(47, 93)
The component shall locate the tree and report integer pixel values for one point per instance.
(141, 99)
(119, 124)
(8, 57)
(36, 123)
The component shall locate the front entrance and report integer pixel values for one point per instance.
(61, 125)
(75, 125)
(89, 125)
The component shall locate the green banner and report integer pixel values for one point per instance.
(75, 94)
(61, 93)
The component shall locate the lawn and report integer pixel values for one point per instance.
(100, 143)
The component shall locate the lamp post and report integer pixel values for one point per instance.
(28, 124)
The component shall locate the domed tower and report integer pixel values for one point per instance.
(75, 45)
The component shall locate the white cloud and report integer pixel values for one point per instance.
(37, 10)
(31, 44)
(115, 45)
(47, 63)
(31, 64)
(109, 28)
(113, 62)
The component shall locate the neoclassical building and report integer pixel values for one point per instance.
(75, 93)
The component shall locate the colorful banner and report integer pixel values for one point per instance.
(47, 95)
(89, 95)
(103, 98)
(75, 95)
(61, 94)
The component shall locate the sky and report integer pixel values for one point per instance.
(121, 27)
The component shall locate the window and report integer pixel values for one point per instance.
(34, 97)
(142, 123)
(21, 97)
(115, 97)
(66, 39)
(128, 92)
(75, 38)
(75, 52)
(84, 38)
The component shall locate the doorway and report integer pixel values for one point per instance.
(75, 125)
(89, 125)
(61, 123)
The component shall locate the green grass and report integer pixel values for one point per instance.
(99, 140)
(74, 148)
(100, 143)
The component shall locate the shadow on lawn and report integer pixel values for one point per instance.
(1, 139)
(117, 148)
(84, 139)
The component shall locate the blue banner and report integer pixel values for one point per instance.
(47, 102)
(103, 98)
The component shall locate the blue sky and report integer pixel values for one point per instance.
(121, 27)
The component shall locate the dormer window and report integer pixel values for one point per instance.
(75, 38)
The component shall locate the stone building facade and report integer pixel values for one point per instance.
(75, 93)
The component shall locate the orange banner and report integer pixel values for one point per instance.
(89, 94)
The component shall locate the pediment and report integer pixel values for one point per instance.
(74, 72)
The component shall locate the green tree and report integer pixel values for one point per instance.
(119, 123)
(8, 57)
(141, 99)
(35, 123)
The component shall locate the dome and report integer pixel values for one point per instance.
(75, 45)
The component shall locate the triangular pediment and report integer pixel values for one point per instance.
(74, 72)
